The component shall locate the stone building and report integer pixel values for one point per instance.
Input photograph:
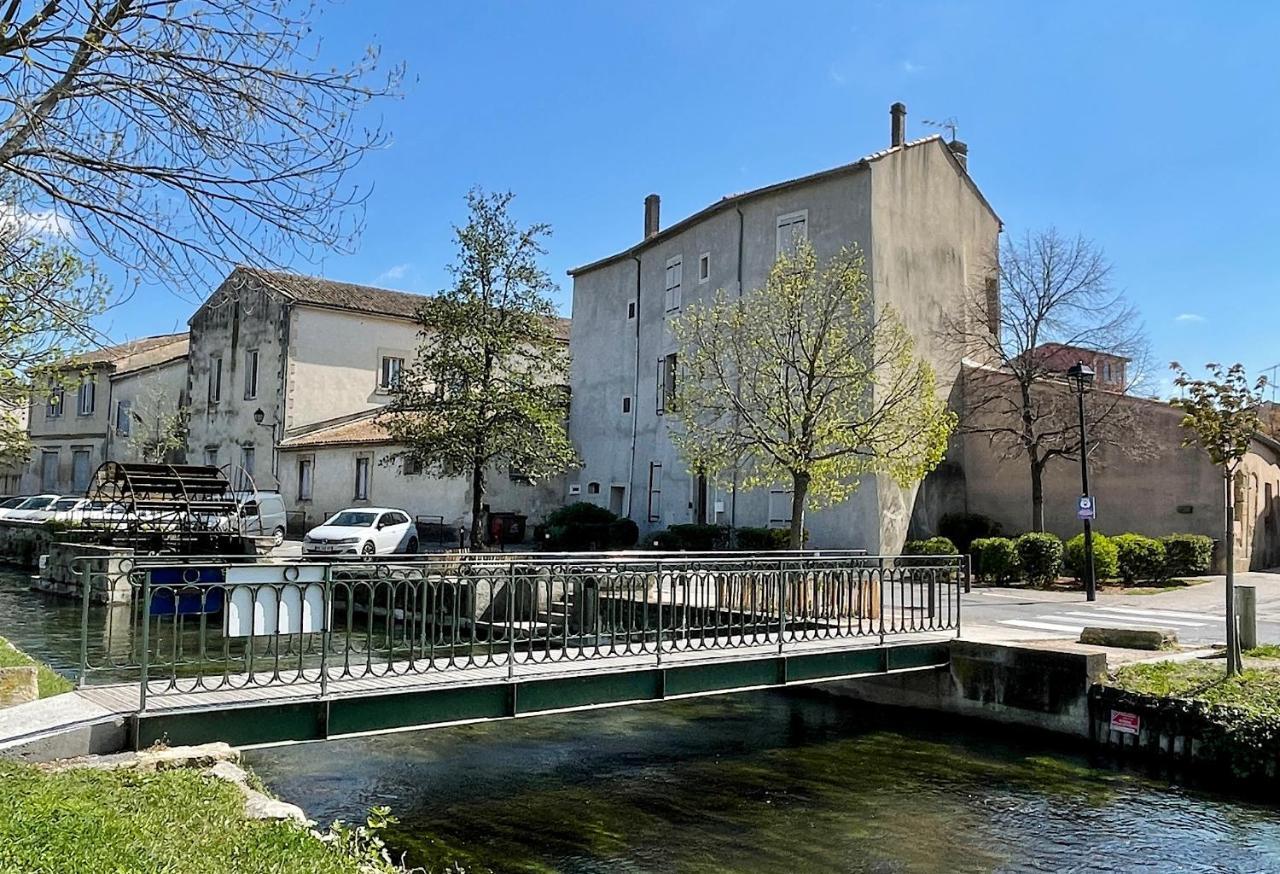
(286, 375)
(925, 231)
(107, 402)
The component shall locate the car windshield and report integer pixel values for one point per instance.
(352, 519)
(11, 503)
(36, 503)
(66, 504)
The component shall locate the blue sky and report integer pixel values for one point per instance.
(1151, 128)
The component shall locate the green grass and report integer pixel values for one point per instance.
(1266, 651)
(1255, 690)
(50, 682)
(124, 821)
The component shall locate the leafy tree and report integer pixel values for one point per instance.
(1046, 288)
(48, 295)
(169, 136)
(161, 426)
(488, 384)
(806, 384)
(1221, 414)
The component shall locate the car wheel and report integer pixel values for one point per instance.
(368, 548)
(277, 537)
(413, 546)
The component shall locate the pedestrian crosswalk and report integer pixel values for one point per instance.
(1073, 619)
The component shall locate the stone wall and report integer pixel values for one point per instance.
(63, 572)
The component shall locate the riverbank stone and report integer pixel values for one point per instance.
(18, 685)
(1130, 638)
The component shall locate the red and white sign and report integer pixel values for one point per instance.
(1125, 723)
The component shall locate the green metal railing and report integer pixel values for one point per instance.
(202, 624)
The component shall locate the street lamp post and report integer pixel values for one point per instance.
(1080, 375)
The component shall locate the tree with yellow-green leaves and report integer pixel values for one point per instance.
(805, 384)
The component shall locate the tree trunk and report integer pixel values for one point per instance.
(799, 494)
(477, 501)
(1037, 495)
(1229, 541)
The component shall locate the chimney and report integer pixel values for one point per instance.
(898, 129)
(651, 204)
(961, 152)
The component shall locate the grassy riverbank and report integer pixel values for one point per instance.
(171, 821)
(50, 681)
(1256, 690)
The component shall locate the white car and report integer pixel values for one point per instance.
(86, 511)
(30, 509)
(363, 531)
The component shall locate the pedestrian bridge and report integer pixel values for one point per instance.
(253, 651)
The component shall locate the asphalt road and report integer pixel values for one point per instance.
(1195, 613)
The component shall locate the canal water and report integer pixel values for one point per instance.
(755, 782)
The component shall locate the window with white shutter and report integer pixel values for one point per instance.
(675, 275)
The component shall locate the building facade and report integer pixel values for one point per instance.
(286, 376)
(103, 409)
(925, 232)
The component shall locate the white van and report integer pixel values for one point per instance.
(262, 515)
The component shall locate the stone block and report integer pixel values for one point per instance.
(1130, 638)
(18, 685)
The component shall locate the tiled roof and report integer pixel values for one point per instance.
(735, 199)
(135, 354)
(333, 294)
(346, 431)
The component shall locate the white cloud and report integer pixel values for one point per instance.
(393, 274)
(910, 68)
(836, 76)
(1189, 317)
(40, 223)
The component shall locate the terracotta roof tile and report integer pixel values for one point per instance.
(133, 354)
(346, 431)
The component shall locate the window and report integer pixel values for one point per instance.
(1106, 372)
(80, 470)
(674, 274)
(362, 478)
(215, 379)
(211, 456)
(779, 508)
(792, 229)
(666, 387)
(410, 466)
(631, 309)
(306, 473)
(56, 399)
(593, 488)
(626, 405)
(389, 372)
(250, 374)
(704, 267)
(516, 475)
(85, 399)
(655, 491)
(123, 419)
(49, 471)
(248, 455)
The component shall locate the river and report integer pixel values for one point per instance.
(753, 782)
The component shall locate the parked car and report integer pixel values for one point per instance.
(363, 531)
(11, 503)
(85, 511)
(262, 514)
(30, 508)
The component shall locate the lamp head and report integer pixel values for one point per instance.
(259, 416)
(1081, 375)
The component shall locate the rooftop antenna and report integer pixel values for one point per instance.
(1271, 380)
(949, 124)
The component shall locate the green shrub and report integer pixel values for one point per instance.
(1040, 556)
(580, 513)
(623, 534)
(995, 559)
(964, 528)
(1105, 557)
(1187, 554)
(692, 538)
(586, 527)
(765, 539)
(931, 546)
(1139, 557)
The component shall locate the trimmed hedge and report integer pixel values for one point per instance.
(964, 528)
(931, 546)
(1187, 554)
(1138, 558)
(586, 527)
(766, 539)
(1040, 556)
(1105, 557)
(692, 538)
(995, 559)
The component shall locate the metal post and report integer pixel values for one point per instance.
(326, 630)
(782, 607)
(659, 581)
(1233, 642)
(146, 640)
(1090, 583)
(511, 626)
(1247, 613)
(85, 589)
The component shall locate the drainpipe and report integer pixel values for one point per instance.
(733, 495)
(635, 398)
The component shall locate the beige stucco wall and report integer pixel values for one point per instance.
(422, 494)
(334, 360)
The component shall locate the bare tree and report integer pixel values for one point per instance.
(169, 136)
(1046, 291)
